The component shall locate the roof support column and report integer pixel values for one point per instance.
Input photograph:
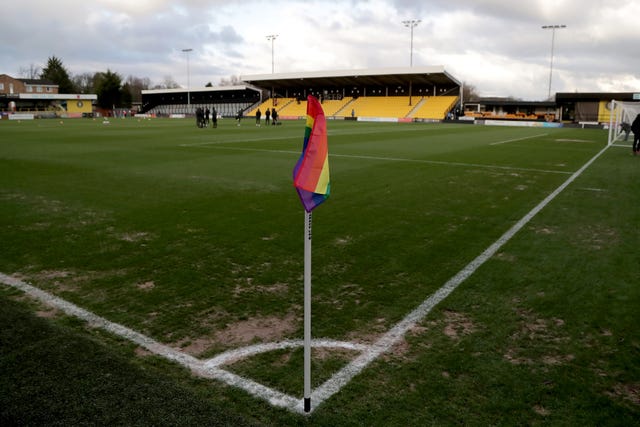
(410, 92)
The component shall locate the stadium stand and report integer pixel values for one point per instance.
(338, 107)
(223, 109)
(291, 108)
(434, 107)
(381, 106)
(226, 100)
(279, 105)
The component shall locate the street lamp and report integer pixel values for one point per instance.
(553, 37)
(411, 24)
(272, 37)
(188, 76)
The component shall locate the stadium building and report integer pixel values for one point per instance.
(393, 94)
(227, 100)
(37, 98)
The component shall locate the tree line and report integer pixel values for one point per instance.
(111, 88)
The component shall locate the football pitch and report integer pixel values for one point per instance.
(462, 275)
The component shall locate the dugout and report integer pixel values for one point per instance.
(590, 108)
(497, 108)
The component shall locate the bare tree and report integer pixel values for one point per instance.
(168, 83)
(232, 81)
(469, 92)
(30, 72)
(136, 85)
(83, 83)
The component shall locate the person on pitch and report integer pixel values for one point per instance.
(214, 118)
(635, 128)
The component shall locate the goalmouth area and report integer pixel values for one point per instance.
(473, 275)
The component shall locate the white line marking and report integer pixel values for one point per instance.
(592, 189)
(400, 159)
(576, 140)
(518, 139)
(206, 369)
(210, 368)
(97, 321)
(332, 132)
(204, 144)
(438, 162)
(622, 145)
(244, 352)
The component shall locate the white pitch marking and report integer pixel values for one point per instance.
(204, 144)
(206, 369)
(97, 321)
(244, 352)
(592, 189)
(330, 132)
(438, 162)
(622, 145)
(518, 139)
(400, 159)
(575, 140)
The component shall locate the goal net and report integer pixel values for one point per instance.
(622, 114)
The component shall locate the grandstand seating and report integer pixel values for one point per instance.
(223, 109)
(268, 104)
(434, 107)
(299, 109)
(292, 108)
(381, 106)
(509, 116)
(289, 107)
(338, 107)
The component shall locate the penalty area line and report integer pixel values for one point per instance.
(518, 139)
(235, 141)
(400, 159)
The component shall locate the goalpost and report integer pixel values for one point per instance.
(622, 114)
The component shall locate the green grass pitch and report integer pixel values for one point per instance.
(194, 237)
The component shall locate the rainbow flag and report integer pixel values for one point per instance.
(311, 173)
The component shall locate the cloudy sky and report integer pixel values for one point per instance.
(497, 46)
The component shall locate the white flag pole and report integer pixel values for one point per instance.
(307, 312)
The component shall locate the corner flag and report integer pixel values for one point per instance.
(311, 179)
(311, 173)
